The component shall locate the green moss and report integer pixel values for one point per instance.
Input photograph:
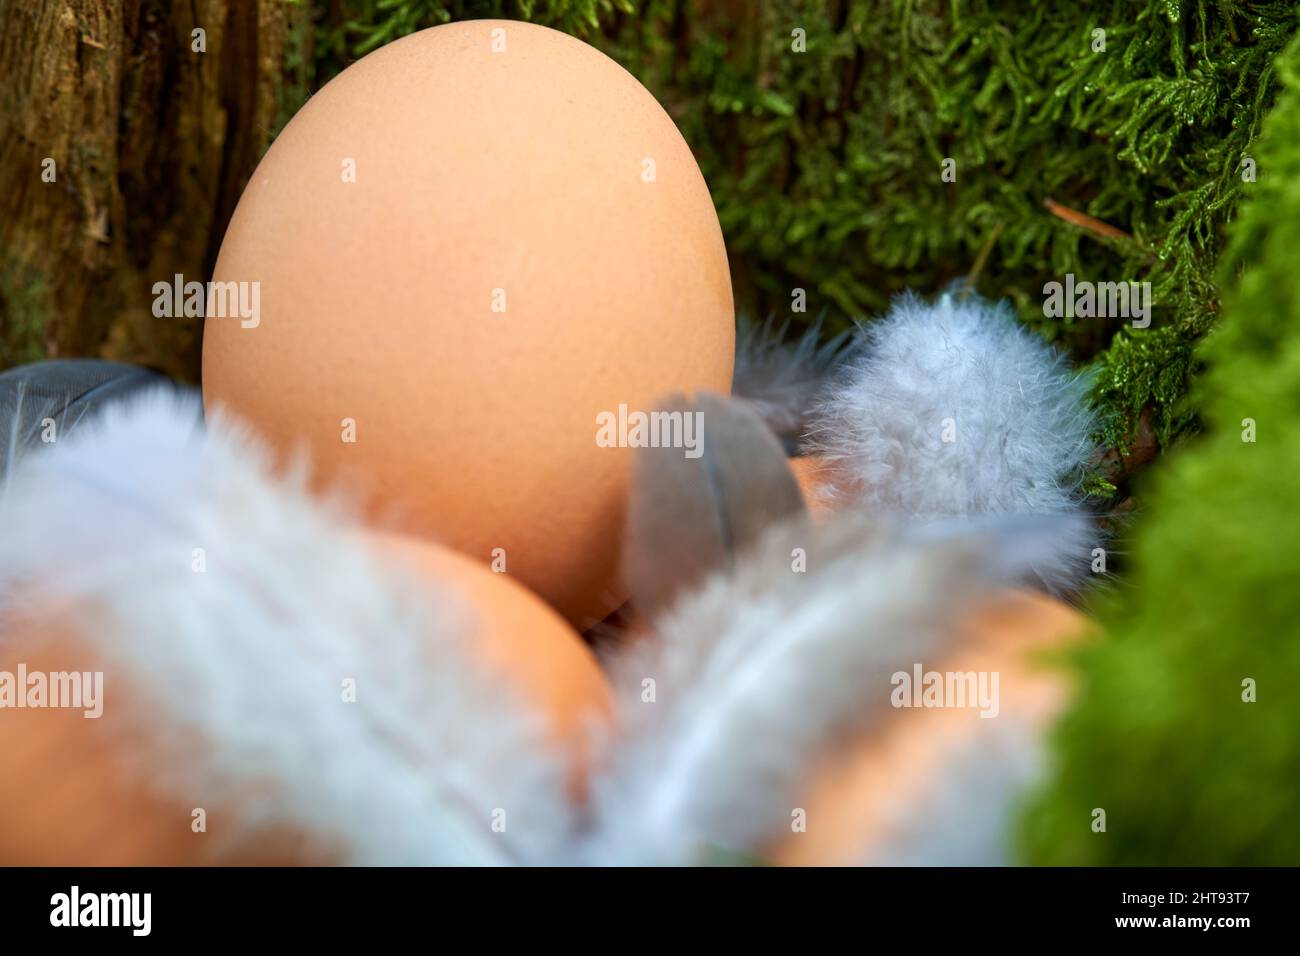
(298, 66)
(825, 165)
(352, 28)
(22, 304)
(1147, 367)
(1160, 736)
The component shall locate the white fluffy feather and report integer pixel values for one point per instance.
(755, 671)
(782, 379)
(966, 814)
(965, 370)
(237, 672)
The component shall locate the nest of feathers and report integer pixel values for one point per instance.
(933, 514)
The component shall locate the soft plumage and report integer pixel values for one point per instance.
(44, 401)
(953, 409)
(966, 815)
(236, 671)
(782, 377)
(764, 664)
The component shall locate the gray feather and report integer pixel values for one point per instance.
(46, 401)
(690, 517)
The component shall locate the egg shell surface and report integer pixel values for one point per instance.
(466, 247)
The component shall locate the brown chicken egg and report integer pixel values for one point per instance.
(82, 792)
(461, 257)
(71, 790)
(869, 797)
(812, 474)
(521, 638)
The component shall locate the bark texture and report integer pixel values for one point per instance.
(151, 140)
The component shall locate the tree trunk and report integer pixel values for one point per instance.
(125, 139)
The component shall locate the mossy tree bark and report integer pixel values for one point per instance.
(124, 144)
